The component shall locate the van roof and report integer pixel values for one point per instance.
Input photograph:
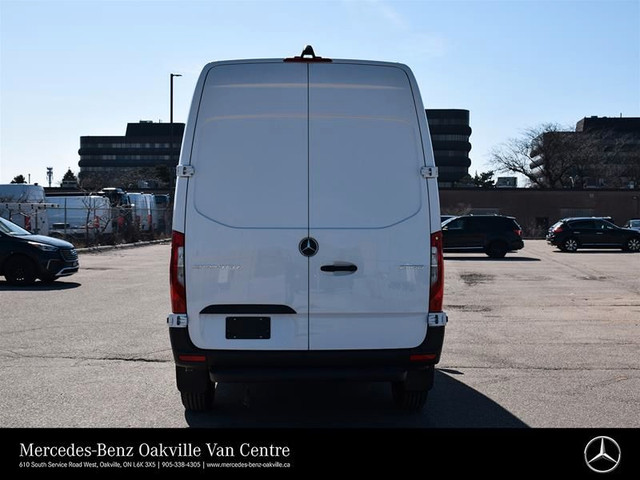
(283, 60)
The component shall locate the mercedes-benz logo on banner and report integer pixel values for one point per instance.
(602, 454)
(308, 247)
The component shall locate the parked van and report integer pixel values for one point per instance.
(21, 193)
(306, 232)
(141, 210)
(80, 216)
(161, 213)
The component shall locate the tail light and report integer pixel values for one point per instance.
(558, 229)
(518, 232)
(176, 274)
(436, 290)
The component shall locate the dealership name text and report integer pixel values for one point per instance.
(160, 450)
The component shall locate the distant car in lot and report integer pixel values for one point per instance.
(633, 224)
(494, 235)
(25, 257)
(570, 234)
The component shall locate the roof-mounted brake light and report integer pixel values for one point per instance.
(307, 55)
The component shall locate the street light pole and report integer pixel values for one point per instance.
(171, 103)
(171, 124)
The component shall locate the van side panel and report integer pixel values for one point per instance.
(248, 206)
(368, 208)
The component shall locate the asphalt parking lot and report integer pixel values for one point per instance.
(552, 337)
(540, 338)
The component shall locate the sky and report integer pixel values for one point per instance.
(78, 68)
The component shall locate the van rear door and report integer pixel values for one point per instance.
(308, 212)
(368, 209)
(247, 283)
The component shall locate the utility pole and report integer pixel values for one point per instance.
(171, 156)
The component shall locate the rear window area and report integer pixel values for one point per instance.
(290, 145)
(250, 148)
(365, 147)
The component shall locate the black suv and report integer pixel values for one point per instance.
(569, 234)
(25, 257)
(494, 235)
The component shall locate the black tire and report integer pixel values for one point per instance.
(198, 401)
(47, 279)
(408, 400)
(20, 270)
(632, 245)
(570, 245)
(497, 250)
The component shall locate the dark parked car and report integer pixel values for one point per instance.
(570, 234)
(494, 235)
(25, 257)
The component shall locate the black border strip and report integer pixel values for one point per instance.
(248, 309)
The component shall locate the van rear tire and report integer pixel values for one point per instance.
(408, 400)
(198, 401)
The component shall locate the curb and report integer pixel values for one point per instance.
(104, 248)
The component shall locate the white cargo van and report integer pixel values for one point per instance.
(141, 211)
(74, 215)
(306, 234)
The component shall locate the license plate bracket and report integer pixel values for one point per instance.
(248, 328)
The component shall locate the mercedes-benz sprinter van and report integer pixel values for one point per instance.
(306, 230)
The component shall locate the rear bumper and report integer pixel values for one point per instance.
(517, 245)
(261, 365)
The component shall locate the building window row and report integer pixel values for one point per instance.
(450, 153)
(447, 121)
(126, 157)
(125, 145)
(442, 137)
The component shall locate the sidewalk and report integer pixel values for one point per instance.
(102, 248)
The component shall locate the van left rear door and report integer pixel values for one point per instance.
(247, 283)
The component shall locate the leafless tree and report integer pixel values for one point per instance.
(553, 156)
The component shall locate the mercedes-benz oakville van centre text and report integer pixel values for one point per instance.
(306, 237)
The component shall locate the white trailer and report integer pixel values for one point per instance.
(25, 206)
(29, 215)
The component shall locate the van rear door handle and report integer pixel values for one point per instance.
(350, 268)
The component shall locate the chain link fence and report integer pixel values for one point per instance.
(86, 226)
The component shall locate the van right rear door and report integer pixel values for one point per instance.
(368, 209)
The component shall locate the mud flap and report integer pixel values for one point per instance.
(195, 380)
(419, 380)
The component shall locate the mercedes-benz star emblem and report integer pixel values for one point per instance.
(308, 247)
(602, 454)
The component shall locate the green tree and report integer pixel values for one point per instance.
(484, 180)
(19, 179)
(69, 179)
